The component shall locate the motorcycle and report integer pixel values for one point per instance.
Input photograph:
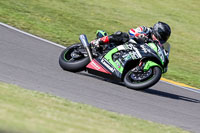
(138, 66)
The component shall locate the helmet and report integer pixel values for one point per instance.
(101, 33)
(161, 31)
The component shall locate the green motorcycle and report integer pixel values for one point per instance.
(139, 66)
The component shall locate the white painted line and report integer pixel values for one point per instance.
(58, 45)
(31, 35)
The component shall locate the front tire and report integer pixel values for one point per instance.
(141, 85)
(72, 63)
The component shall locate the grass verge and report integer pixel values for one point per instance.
(62, 21)
(26, 111)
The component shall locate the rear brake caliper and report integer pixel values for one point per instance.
(76, 54)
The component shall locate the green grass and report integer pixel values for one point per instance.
(62, 21)
(26, 111)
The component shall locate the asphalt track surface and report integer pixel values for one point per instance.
(33, 64)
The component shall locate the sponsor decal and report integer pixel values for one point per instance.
(121, 47)
(129, 46)
(161, 54)
(95, 65)
(126, 57)
(134, 55)
(144, 48)
(108, 65)
(121, 62)
(118, 64)
(134, 52)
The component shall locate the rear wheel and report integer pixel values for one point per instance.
(142, 80)
(74, 58)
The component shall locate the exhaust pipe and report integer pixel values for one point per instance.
(85, 43)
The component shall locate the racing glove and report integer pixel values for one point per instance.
(100, 41)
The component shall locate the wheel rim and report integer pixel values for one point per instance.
(72, 54)
(139, 77)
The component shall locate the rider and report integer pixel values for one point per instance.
(159, 33)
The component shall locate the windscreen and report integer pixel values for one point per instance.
(167, 48)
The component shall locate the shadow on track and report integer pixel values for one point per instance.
(169, 95)
(149, 91)
(101, 78)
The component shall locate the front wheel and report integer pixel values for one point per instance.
(74, 58)
(142, 80)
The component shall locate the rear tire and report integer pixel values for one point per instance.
(155, 77)
(68, 63)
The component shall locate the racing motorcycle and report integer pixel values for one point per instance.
(139, 66)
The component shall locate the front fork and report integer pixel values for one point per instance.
(146, 65)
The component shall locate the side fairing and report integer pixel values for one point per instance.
(116, 59)
(115, 63)
(155, 53)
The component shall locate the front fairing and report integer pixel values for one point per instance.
(149, 51)
(131, 51)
